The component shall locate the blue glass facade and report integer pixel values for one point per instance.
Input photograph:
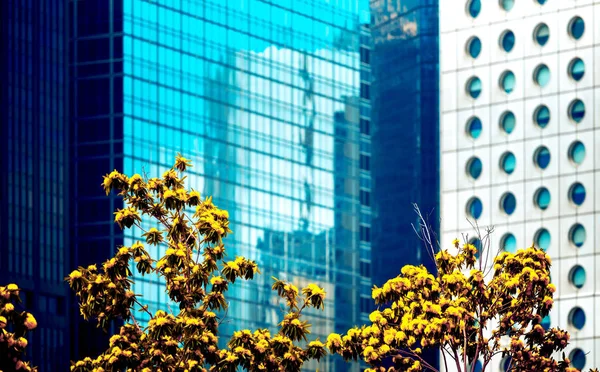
(270, 100)
(34, 184)
(405, 162)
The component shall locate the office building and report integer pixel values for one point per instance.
(264, 98)
(34, 197)
(520, 82)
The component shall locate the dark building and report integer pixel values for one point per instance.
(34, 192)
(405, 125)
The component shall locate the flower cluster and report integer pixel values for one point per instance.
(14, 326)
(467, 313)
(197, 276)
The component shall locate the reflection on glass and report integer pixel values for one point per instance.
(577, 110)
(542, 75)
(474, 127)
(542, 239)
(474, 207)
(541, 157)
(508, 122)
(576, 27)
(474, 167)
(577, 276)
(508, 81)
(577, 152)
(508, 243)
(542, 34)
(577, 317)
(474, 47)
(474, 8)
(542, 116)
(577, 193)
(474, 87)
(578, 359)
(508, 162)
(508, 203)
(577, 235)
(542, 198)
(507, 40)
(577, 69)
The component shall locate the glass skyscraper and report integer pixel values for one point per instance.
(405, 129)
(266, 99)
(34, 183)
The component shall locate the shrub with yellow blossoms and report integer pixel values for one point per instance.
(14, 326)
(197, 276)
(466, 312)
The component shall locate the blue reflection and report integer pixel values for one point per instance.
(578, 358)
(509, 203)
(577, 235)
(507, 40)
(475, 207)
(542, 198)
(474, 87)
(577, 193)
(508, 4)
(542, 239)
(542, 34)
(478, 366)
(477, 243)
(508, 81)
(545, 323)
(474, 8)
(577, 317)
(542, 116)
(508, 162)
(508, 122)
(577, 276)
(576, 27)
(577, 69)
(577, 152)
(474, 47)
(542, 75)
(577, 110)
(474, 167)
(474, 127)
(542, 157)
(509, 243)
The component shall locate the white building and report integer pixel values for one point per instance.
(520, 141)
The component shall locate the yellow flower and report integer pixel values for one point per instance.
(22, 342)
(30, 322)
(9, 307)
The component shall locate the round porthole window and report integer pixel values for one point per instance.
(541, 75)
(577, 69)
(577, 110)
(474, 87)
(577, 317)
(576, 27)
(577, 276)
(542, 239)
(474, 127)
(577, 357)
(577, 193)
(508, 122)
(474, 47)
(508, 162)
(507, 4)
(577, 152)
(507, 81)
(577, 235)
(508, 243)
(545, 323)
(541, 34)
(507, 41)
(542, 198)
(542, 116)
(541, 157)
(474, 167)
(474, 207)
(508, 203)
(474, 8)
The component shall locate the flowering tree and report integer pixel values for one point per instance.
(197, 276)
(14, 326)
(468, 313)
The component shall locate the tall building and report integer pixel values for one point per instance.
(34, 198)
(520, 82)
(264, 98)
(405, 129)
